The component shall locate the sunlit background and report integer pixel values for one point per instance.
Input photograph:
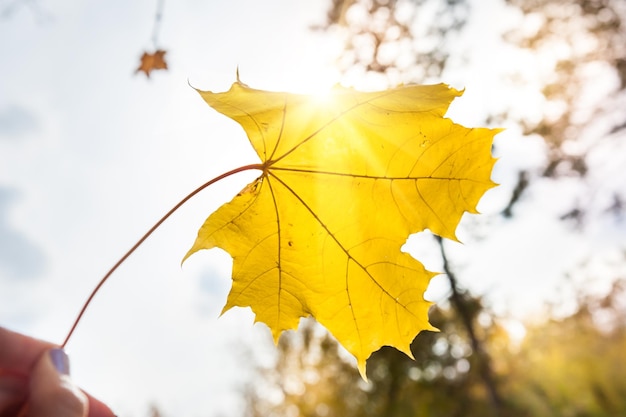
(532, 305)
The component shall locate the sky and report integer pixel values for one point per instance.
(92, 155)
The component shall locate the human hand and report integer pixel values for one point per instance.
(35, 382)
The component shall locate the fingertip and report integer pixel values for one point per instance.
(52, 392)
(98, 409)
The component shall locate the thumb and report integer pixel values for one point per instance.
(52, 392)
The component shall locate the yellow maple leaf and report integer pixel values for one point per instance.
(344, 182)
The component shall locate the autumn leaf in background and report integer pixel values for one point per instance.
(345, 180)
(152, 62)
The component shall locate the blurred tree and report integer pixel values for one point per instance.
(573, 366)
(314, 377)
(579, 57)
(567, 367)
(403, 40)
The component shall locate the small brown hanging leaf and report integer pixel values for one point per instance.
(152, 62)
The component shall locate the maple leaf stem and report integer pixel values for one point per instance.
(147, 234)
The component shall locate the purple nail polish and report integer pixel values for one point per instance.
(60, 360)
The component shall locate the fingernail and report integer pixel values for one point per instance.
(60, 360)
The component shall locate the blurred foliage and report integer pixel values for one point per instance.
(404, 40)
(576, 41)
(573, 366)
(580, 56)
(314, 377)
